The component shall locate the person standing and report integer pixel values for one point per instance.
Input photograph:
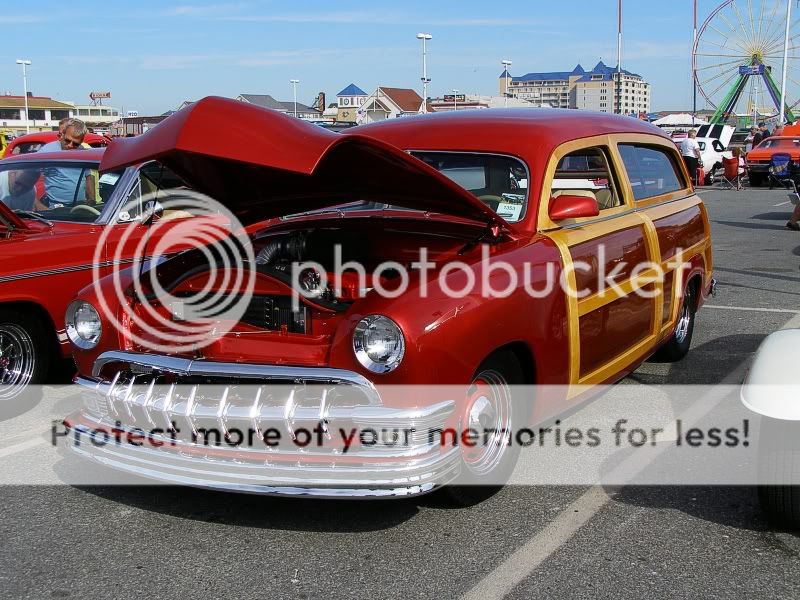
(750, 139)
(60, 183)
(690, 151)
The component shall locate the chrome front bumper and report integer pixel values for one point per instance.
(130, 391)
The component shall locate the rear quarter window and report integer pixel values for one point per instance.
(652, 170)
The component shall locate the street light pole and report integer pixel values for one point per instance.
(782, 113)
(425, 80)
(506, 63)
(25, 63)
(294, 83)
(619, 57)
(455, 99)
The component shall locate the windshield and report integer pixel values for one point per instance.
(57, 191)
(500, 182)
(780, 143)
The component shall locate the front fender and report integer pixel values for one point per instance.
(772, 387)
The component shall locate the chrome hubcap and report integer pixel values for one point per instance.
(17, 360)
(489, 414)
(684, 319)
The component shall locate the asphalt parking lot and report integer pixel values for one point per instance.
(666, 542)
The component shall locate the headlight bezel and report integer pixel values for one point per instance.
(362, 353)
(71, 322)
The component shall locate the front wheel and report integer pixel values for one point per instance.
(710, 178)
(493, 408)
(755, 180)
(25, 356)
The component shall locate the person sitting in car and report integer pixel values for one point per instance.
(60, 183)
(18, 191)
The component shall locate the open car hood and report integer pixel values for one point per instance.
(262, 164)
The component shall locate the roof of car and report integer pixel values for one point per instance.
(85, 155)
(526, 132)
(49, 136)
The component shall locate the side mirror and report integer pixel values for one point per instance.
(153, 211)
(572, 207)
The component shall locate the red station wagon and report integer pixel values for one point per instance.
(526, 188)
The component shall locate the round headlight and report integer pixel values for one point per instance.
(378, 343)
(83, 325)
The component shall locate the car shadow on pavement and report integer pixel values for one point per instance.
(706, 364)
(773, 216)
(264, 512)
(746, 225)
(731, 506)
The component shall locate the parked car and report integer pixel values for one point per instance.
(771, 391)
(31, 142)
(439, 182)
(712, 151)
(760, 157)
(47, 251)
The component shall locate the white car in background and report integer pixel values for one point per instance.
(712, 151)
(713, 141)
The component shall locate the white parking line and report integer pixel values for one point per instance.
(753, 309)
(793, 323)
(22, 446)
(526, 559)
(782, 203)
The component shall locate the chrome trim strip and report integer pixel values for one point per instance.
(73, 269)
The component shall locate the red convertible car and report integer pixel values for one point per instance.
(31, 142)
(49, 245)
(489, 195)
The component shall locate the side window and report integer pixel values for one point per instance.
(652, 171)
(154, 181)
(586, 172)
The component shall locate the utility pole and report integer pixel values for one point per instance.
(294, 83)
(425, 80)
(25, 63)
(506, 64)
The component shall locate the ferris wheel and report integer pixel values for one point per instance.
(738, 58)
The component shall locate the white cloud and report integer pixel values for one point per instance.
(367, 17)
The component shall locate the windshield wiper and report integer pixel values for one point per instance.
(33, 215)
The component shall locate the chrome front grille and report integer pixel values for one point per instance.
(220, 403)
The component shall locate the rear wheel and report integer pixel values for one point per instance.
(494, 406)
(25, 356)
(755, 179)
(678, 345)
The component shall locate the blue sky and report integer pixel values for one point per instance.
(153, 55)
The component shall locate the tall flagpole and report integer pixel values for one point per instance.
(782, 113)
(694, 72)
(619, 57)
